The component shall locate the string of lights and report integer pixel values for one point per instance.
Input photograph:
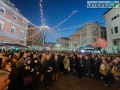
(71, 27)
(65, 19)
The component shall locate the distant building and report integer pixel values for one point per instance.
(34, 38)
(13, 25)
(63, 43)
(87, 34)
(112, 17)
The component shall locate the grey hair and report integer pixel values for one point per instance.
(3, 73)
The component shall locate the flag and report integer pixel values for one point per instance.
(102, 42)
(94, 44)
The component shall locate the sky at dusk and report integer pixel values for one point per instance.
(56, 11)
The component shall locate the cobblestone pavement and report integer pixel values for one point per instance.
(70, 82)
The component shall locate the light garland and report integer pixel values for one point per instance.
(71, 27)
(65, 19)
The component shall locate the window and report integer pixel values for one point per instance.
(115, 17)
(94, 39)
(14, 18)
(84, 40)
(0, 26)
(94, 30)
(116, 29)
(111, 31)
(23, 23)
(12, 31)
(2, 10)
(84, 33)
(21, 33)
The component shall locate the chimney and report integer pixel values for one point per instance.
(96, 21)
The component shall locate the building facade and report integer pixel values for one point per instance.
(34, 38)
(13, 25)
(62, 43)
(86, 35)
(112, 17)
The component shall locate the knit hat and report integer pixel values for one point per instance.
(26, 60)
(115, 60)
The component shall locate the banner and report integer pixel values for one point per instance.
(102, 42)
(94, 44)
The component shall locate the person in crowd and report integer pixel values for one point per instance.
(2, 55)
(61, 58)
(96, 68)
(73, 66)
(92, 60)
(25, 75)
(104, 70)
(18, 56)
(87, 67)
(10, 56)
(47, 70)
(14, 62)
(109, 60)
(4, 80)
(35, 63)
(21, 53)
(28, 55)
(7, 66)
(66, 65)
(55, 69)
(70, 58)
(81, 64)
(42, 61)
(21, 61)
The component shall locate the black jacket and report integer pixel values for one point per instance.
(46, 66)
(55, 66)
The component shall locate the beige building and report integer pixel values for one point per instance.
(87, 34)
(63, 43)
(34, 38)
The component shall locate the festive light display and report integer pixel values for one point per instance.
(65, 19)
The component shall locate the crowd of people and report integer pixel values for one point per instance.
(28, 69)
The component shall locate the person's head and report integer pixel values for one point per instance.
(10, 56)
(115, 61)
(103, 61)
(25, 55)
(4, 59)
(14, 60)
(44, 55)
(18, 55)
(80, 56)
(48, 57)
(28, 54)
(4, 79)
(102, 57)
(73, 57)
(86, 57)
(99, 56)
(2, 53)
(27, 61)
(34, 56)
(109, 59)
(22, 50)
(56, 57)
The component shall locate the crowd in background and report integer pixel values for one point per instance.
(29, 69)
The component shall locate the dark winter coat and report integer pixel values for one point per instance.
(87, 64)
(35, 63)
(55, 66)
(46, 65)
